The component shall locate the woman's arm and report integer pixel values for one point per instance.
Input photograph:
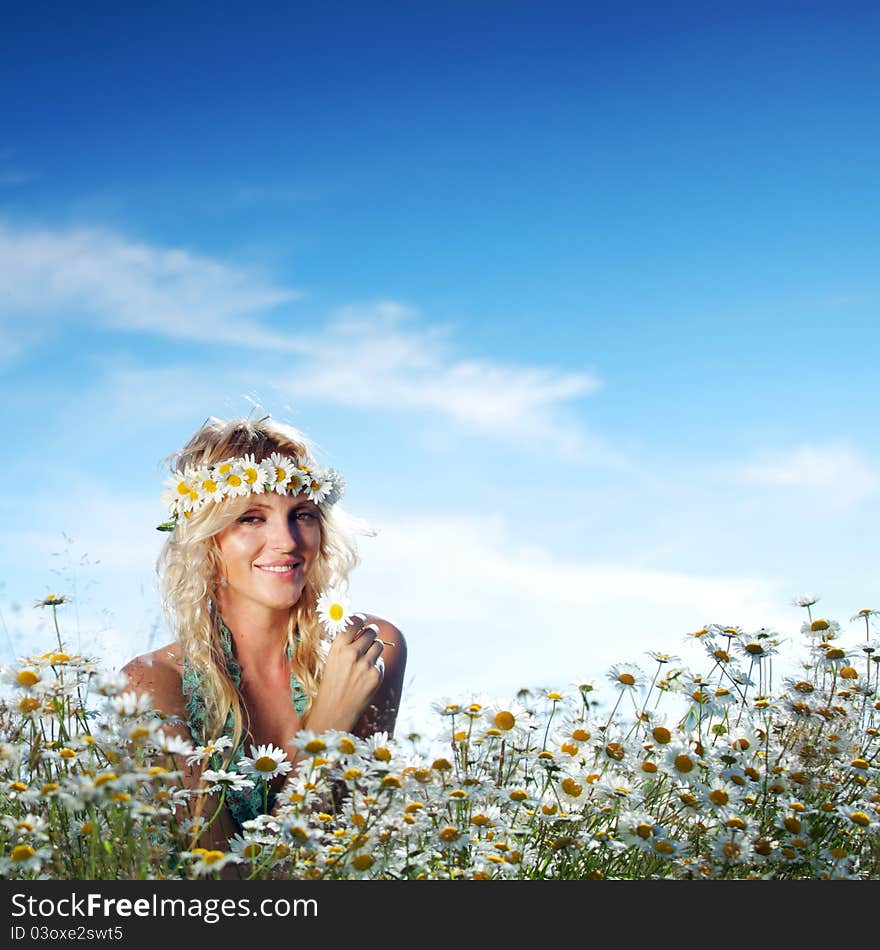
(381, 713)
(158, 675)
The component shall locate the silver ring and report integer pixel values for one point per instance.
(380, 665)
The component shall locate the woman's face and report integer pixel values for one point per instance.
(269, 552)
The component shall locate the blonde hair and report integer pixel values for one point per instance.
(190, 567)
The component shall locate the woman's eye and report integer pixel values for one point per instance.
(305, 516)
(249, 519)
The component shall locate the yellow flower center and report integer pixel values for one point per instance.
(571, 787)
(614, 750)
(662, 735)
(209, 485)
(449, 834)
(627, 679)
(860, 818)
(818, 625)
(265, 763)
(684, 763)
(382, 754)
(27, 678)
(362, 862)
(441, 765)
(718, 796)
(313, 746)
(518, 795)
(505, 720)
(22, 852)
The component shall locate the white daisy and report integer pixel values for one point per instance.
(281, 469)
(231, 479)
(208, 485)
(131, 703)
(337, 489)
(204, 752)
(256, 474)
(111, 683)
(220, 777)
(318, 486)
(297, 482)
(209, 862)
(175, 745)
(178, 493)
(265, 762)
(333, 611)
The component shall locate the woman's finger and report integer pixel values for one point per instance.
(367, 628)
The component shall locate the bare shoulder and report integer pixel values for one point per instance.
(388, 632)
(160, 674)
(394, 646)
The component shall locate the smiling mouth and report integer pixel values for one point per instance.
(277, 568)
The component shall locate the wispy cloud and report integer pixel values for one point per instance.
(834, 475)
(97, 277)
(379, 355)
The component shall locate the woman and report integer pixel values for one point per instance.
(255, 538)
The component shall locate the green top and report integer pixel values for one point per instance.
(245, 803)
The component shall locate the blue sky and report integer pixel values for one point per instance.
(581, 298)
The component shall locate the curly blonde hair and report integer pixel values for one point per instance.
(190, 567)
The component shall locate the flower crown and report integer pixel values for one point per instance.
(188, 490)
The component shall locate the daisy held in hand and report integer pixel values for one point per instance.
(253, 571)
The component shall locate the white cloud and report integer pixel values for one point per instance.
(484, 611)
(834, 476)
(89, 275)
(376, 356)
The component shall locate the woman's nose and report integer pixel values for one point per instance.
(283, 536)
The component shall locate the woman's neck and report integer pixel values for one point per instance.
(259, 636)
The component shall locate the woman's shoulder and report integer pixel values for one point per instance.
(160, 674)
(388, 631)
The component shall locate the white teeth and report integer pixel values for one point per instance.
(276, 569)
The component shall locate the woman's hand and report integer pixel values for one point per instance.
(353, 673)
